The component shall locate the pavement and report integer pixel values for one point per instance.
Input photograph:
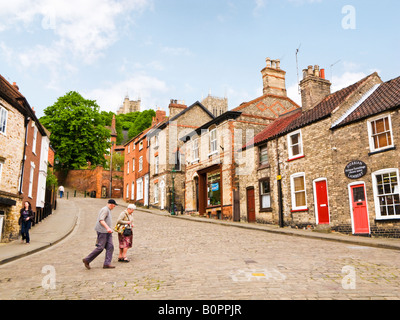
(63, 221)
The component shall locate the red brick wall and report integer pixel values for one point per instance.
(94, 180)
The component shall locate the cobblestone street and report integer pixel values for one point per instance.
(180, 259)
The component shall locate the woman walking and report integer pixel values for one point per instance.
(125, 241)
(26, 216)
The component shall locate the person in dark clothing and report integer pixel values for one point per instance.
(26, 216)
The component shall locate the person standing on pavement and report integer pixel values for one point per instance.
(104, 237)
(61, 190)
(125, 242)
(26, 216)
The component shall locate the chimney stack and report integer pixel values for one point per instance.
(176, 107)
(314, 87)
(274, 79)
(15, 86)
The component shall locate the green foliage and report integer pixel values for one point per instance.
(141, 123)
(78, 131)
(51, 180)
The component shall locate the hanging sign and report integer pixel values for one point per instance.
(355, 170)
(215, 187)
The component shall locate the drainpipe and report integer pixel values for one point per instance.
(279, 178)
(27, 119)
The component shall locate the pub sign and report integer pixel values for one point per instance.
(355, 170)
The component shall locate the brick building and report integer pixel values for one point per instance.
(333, 165)
(166, 154)
(212, 182)
(24, 153)
(137, 168)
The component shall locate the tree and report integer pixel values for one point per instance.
(78, 131)
(142, 122)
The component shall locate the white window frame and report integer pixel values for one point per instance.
(127, 191)
(376, 193)
(127, 167)
(196, 150)
(156, 164)
(3, 120)
(290, 145)
(34, 142)
(156, 193)
(213, 142)
(133, 165)
(139, 189)
(133, 191)
(140, 145)
(31, 177)
(141, 163)
(156, 141)
(293, 192)
(371, 138)
(1, 169)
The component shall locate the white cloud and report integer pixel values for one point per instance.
(346, 79)
(84, 28)
(176, 51)
(260, 4)
(150, 90)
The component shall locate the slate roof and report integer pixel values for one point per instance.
(274, 129)
(325, 108)
(384, 98)
(15, 98)
(297, 119)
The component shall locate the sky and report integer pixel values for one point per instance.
(158, 50)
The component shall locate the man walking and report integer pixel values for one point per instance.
(104, 237)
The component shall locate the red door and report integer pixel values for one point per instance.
(360, 211)
(251, 205)
(321, 190)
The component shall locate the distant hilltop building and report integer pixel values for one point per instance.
(215, 105)
(129, 106)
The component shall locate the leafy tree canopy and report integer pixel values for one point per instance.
(78, 131)
(141, 123)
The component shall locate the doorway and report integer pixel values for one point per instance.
(251, 205)
(359, 209)
(321, 201)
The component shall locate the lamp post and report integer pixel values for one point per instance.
(173, 192)
(111, 161)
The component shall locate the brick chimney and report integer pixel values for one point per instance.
(15, 86)
(161, 115)
(314, 87)
(274, 78)
(176, 107)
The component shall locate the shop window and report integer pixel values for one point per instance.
(298, 188)
(214, 189)
(265, 195)
(380, 134)
(295, 144)
(387, 194)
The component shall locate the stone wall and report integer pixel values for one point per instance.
(11, 154)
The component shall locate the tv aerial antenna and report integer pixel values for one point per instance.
(297, 65)
(332, 65)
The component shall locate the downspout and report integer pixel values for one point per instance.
(279, 180)
(27, 119)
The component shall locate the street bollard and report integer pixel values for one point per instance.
(67, 194)
(75, 194)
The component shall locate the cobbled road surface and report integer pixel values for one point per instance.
(177, 259)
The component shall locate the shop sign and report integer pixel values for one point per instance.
(355, 170)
